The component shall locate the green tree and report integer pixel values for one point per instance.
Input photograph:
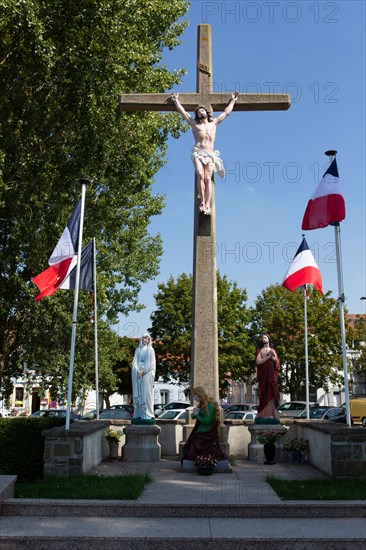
(122, 367)
(56, 364)
(62, 66)
(356, 340)
(172, 330)
(281, 314)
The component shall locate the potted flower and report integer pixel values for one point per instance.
(268, 439)
(113, 438)
(205, 464)
(296, 449)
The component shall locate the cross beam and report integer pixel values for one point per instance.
(204, 355)
(218, 102)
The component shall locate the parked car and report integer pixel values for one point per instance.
(335, 414)
(290, 409)
(246, 416)
(174, 414)
(341, 417)
(129, 408)
(55, 413)
(173, 405)
(91, 415)
(250, 407)
(115, 414)
(39, 413)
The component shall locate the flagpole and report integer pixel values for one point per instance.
(84, 183)
(306, 356)
(96, 330)
(337, 235)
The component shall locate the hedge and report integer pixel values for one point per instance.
(22, 446)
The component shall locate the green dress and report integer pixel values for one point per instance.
(204, 438)
(205, 420)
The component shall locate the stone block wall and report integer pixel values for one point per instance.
(75, 451)
(335, 449)
(348, 453)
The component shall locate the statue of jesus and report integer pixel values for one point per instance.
(205, 159)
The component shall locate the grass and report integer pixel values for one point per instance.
(128, 487)
(319, 489)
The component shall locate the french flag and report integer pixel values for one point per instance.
(62, 260)
(303, 270)
(327, 204)
(86, 271)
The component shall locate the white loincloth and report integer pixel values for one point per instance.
(205, 157)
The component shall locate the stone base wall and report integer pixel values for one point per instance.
(238, 437)
(75, 451)
(170, 435)
(335, 449)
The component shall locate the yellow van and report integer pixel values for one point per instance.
(358, 410)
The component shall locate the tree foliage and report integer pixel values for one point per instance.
(281, 314)
(172, 330)
(122, 367)
(62, 67)
(356, 339)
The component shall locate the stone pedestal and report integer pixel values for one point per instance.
(222, 467)
(255, 449)
(141, 444)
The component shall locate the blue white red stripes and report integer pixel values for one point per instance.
(86, 271)
(327, 204)
(303, 270)
(63, 258)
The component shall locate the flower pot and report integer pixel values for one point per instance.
(297, 457)
(205, 470)
(269, 450)
(113, 450)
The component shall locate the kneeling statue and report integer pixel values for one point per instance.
(204, 438)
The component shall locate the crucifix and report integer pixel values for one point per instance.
(204, 351)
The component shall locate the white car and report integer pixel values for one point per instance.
(174, 414)
(241, 415)
(159, 409)
(242, 407)
(294, 408)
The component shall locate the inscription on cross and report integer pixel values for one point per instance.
(204, 355)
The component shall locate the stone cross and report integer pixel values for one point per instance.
(204, 353)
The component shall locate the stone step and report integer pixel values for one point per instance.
(102, 533)
(130, 509)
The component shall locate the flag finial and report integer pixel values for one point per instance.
(331, 153)
(84, 181)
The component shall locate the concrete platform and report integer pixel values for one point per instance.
(222, 511)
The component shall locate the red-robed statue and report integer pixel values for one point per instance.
(268, 367)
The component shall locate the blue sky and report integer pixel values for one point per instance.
(315, 51)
